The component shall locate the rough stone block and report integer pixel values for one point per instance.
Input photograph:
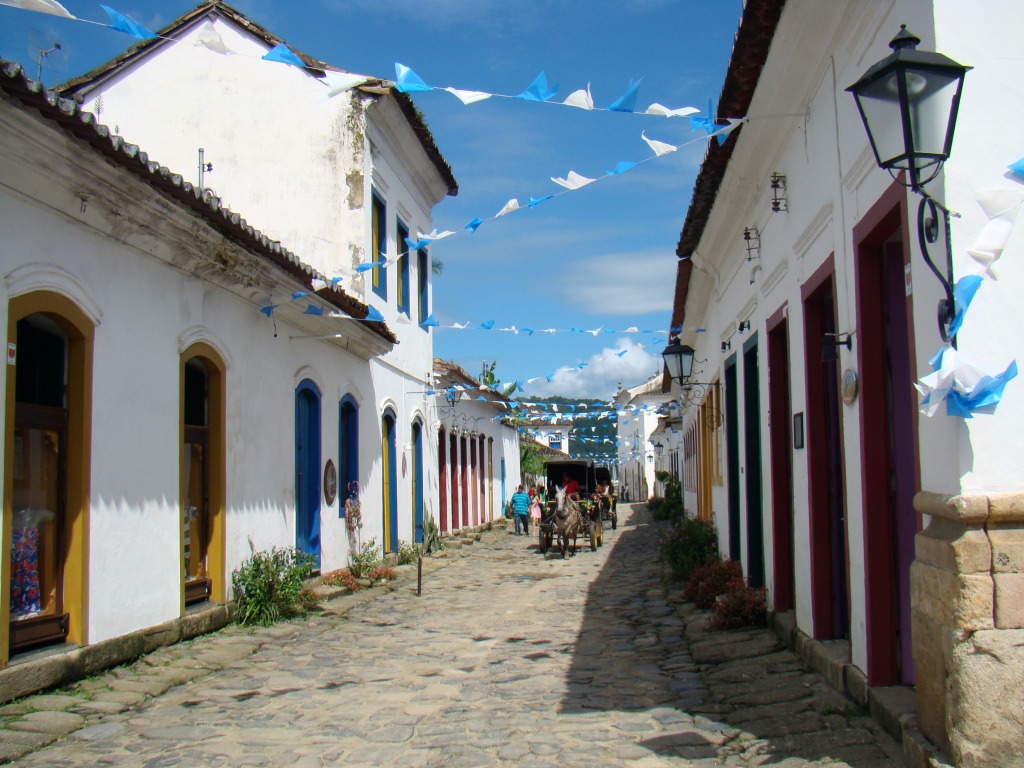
(1007, 548)
(1006, 507)
(953, 600)
(30, 677)
(1009, 609)
(889, 705)
(967, 510)
(829, 660)
(195, 624)
(109, 653)
(784, 625)
(932, 666)
(162, 635)
(986, 719)
(857, 685)
(953, 547)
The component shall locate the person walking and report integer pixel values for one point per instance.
(520, 510)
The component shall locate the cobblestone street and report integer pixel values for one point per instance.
(508, 657)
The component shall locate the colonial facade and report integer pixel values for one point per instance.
(477, 449)
(343, 180)
(801, 281)
(153, 418)
(638, 410)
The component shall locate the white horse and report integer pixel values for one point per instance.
(568, 521)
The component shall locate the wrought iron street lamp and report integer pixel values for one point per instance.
(659, 450)
(678, 360)
(909, 102)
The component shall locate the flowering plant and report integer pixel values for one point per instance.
(353, 511)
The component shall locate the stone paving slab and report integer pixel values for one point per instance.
(509, 657)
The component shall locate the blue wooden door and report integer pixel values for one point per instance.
(307, 469)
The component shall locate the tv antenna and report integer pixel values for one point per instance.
(46, 51)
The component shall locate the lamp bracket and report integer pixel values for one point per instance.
(928, 212)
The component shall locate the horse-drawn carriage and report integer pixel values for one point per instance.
(564, 518)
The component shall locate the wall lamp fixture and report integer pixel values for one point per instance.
(752, 242)
(780, 202)
(830, 343)
(909, 102)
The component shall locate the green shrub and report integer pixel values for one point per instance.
(267, 584)
(365, 559)
(407, 553)
(740, 606)
(709, 581)
(431, 537)
(688, 544)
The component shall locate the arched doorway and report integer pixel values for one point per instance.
(202, 479)
(417, 480)
(46, 472)
(307, 469)
(390, 481)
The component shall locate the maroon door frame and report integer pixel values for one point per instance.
(442, 475)
(830, 572)
(780, 446)
(464, 477)
(885, 350)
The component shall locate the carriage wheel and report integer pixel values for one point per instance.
(593, 538)
(600, 532)
(615, 519)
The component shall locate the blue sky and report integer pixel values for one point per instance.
(600, 257)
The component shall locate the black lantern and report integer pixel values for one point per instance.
(659, 450)
(678, 360)
(452, 395)
(908, 102)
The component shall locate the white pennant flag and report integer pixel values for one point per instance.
(210, 39)
(660, 148)
(573, 180)
(468, 97)
(659, 109)
(339, 82)
(1001, 207)
(434, 235)
(580, 98)
(51, 7)
(511, 205)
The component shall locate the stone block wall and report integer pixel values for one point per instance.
(967, 615)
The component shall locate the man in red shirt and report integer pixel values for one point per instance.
(571, 487)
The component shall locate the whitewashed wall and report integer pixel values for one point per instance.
(832, 181)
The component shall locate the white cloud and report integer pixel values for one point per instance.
(603, 373)
(625, 283)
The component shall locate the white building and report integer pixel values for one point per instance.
(150, 407)
(637, 417)
(552, 432)
(343, 181)
(801, 279)
(477, 449)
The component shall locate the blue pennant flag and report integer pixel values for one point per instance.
(963, 295)
(298, 295)
(372, 265)
(313, 309)
(373, 315)
(336, 280)
(430, 322)
(285, 55)
(487, 325)
(986, 394)
(538, 90)
(408, 81)
(269, 309)
(1018, 167)
(621, 167)
(627, 101)
(415, 245)
(474, 225)
(549, 377)
(535, 202)
(528, 331)
(127, 24)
